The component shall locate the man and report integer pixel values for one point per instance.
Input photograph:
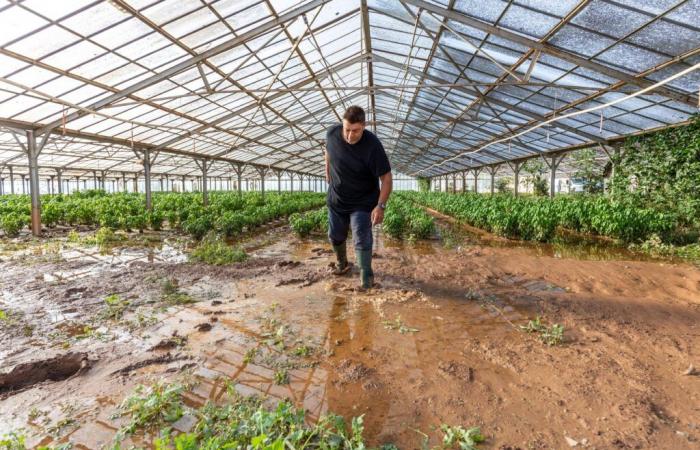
(355, 163)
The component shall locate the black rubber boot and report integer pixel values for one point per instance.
(364, 260)
(341, 254)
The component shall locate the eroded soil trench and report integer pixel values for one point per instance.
(438, 342)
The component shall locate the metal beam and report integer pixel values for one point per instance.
(174, 70)
(125, 143)
(367, 39)
(550, 50)
(500, 103)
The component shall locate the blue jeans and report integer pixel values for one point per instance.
(359, 221)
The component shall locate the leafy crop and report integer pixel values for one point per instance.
(152, 406)
(228, 213)
(532, 218)
(403, 218)
(304, 224)
(215, 251)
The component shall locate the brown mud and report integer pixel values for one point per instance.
(438, 342)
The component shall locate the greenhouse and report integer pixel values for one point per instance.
(285, 224)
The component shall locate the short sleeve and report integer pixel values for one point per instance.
(379, 162)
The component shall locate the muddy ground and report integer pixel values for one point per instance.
(439, 341)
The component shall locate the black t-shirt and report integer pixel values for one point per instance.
(355, 171)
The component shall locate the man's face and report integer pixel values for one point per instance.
(352, 132)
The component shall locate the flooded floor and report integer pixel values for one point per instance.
(439, 341)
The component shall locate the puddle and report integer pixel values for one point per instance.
(565, 244)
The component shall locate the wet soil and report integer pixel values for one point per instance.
(438, 342)
(57, 368)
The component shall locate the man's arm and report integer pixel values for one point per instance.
(328, 167)
(387, 185)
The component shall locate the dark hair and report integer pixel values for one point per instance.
(354, 114)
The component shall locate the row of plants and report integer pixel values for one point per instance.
(535, 218)
(228, 213)
(402, 219)
(303, 224)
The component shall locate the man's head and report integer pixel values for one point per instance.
(353, 124)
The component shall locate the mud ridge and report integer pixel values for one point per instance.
(58, 368)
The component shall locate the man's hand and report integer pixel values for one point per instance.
(377, 215)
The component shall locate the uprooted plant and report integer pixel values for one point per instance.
(550, 335)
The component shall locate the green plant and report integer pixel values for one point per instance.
(502, 185)
(282, 376)
(13, 441)
(552, 335)
(534, 170)
(250, 355)
(403, 218)
(246, 423)
(587, 170)
(152, 406)
(464, 439)
(227, 213)
(12, 223)
(169, 286)
(304, 224)
(655, 246)
(533, 218)
(662, 171)
(170, 293)
(303, 350)
(114, 307)
(423, 184)
(214, 250)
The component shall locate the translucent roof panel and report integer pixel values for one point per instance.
(258, 83)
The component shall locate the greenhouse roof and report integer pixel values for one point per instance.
(448, 85)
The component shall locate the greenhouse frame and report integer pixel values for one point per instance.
(219, 90)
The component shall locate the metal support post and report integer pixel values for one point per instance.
(262, 171)
(147, 177)
(12, 181)
(553, 164)
(59, 175)
(516, 166)
(476, 173)
(204, 166)
(279, 180)
(492, 171)
(33, 154)
(238, 169)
